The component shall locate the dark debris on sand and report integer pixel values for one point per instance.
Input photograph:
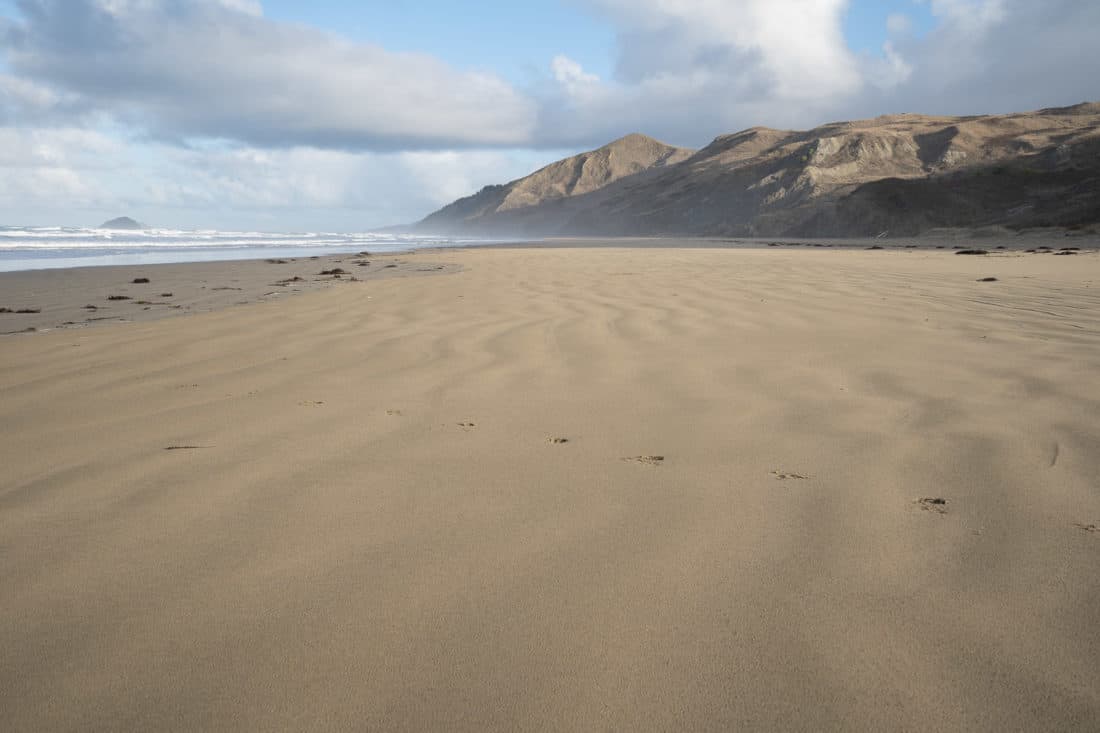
(646, 460)
(933, 504)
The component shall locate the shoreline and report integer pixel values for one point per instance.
(63, 298)
(1017, 243)
(83, 297)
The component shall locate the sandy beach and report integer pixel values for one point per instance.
(555, 489)
(86, 297)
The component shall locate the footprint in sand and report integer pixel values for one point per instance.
(645, 460)
(784, 475)
(933, 504)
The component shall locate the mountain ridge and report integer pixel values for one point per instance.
(573, 176)
(902, 174)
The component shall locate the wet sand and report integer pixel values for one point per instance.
(564, 489)
(85, 297)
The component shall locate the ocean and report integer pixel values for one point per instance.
(35, 248)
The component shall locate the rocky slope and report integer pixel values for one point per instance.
(573, 177)
(900, 174)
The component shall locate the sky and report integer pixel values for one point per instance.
(335, 115)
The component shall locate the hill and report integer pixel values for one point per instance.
(569, 178)
(122, 222)
(900, 174)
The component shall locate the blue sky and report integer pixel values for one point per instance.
(339, 115)
(497, 34)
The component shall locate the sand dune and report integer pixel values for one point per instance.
(371, 519)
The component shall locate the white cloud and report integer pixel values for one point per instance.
(899, 24)
(252, 7)
(218, 68)
(386, 188)
(794, 47)
(891, 70)
(998, 56)
(691, 69)
(23, 148)
(20, 92)
(186, 70)
(30, 188)
(84, 176)
(970, 16)
(568, 71)
(58, 166)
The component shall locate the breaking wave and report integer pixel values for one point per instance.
(43, 247)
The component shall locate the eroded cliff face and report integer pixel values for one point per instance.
(901, 174)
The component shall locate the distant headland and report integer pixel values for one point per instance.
(122, 222)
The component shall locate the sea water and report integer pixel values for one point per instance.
(34, 248)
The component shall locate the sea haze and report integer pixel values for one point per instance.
(34, 248)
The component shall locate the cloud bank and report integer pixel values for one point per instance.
(686, 69)
(182, 69)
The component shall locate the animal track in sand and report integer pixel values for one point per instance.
(784, 475)
(645, 460)
(933, 504)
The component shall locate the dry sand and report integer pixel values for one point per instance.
(374, 529)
